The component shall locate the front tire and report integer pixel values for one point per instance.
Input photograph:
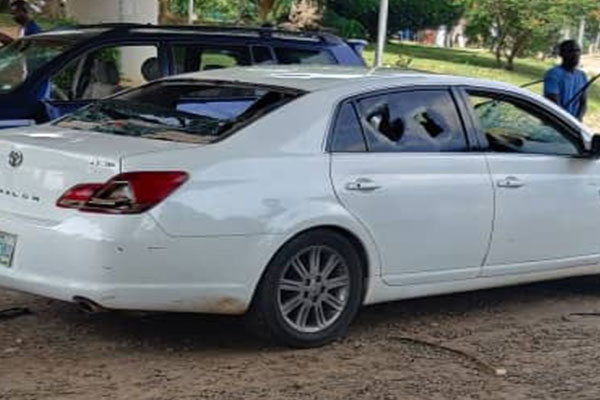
(311, 291)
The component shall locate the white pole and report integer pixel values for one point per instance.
(190, 12)
(581, 36)
(382, 34)
(121, 11)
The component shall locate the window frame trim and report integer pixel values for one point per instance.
(529, 104)
(333, 124)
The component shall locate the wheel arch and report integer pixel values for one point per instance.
(366, 251)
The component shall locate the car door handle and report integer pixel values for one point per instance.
(511, 182)
(362, 185)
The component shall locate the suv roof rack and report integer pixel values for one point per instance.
(262, 32)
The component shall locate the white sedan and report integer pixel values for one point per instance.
(296, 195)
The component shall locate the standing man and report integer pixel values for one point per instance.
(21, 12)
(563, 82)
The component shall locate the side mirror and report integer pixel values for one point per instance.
(595, 147)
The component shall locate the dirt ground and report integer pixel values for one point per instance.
(60, 353)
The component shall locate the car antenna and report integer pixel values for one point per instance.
(503, 96)
(531, 83)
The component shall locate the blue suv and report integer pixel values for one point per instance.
(45, 76)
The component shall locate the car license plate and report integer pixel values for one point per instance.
(7, 248)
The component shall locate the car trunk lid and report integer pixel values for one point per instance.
(39, 164)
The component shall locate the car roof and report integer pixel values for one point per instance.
(184, 31)
(313, 78)
(71, 35)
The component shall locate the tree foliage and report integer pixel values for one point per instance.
(510, 28)
(404, 14)
(517, 27)
(349, 17)
(256, 11)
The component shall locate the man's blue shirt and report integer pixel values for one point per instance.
(565, 84)
(31, 28)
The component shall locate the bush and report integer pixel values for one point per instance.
(345, 27)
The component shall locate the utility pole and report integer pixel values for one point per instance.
(382, 34)
(581, 36)
(190, 12)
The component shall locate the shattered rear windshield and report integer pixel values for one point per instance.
(190, 112)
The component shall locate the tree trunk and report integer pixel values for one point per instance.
(54, 9)
(163, 11)
(501, 36)
(498, 52)
(514, 51)
(510, 62)
(166, 17)
(264, 9)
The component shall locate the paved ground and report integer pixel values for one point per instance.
(60, 353)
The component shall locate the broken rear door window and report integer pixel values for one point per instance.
(415, 121)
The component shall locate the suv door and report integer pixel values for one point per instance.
(400, 163)
(547, 195)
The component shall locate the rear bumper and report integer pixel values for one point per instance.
(128, 262)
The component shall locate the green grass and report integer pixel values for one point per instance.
(476, 63)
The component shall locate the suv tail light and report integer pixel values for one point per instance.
(127, 193)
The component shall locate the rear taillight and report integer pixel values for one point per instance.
(128, 193)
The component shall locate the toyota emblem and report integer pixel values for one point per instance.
(15, 158)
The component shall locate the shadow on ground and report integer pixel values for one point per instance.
(191, 332)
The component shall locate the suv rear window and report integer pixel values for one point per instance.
(302, 56)
(180, 111)
(190, 58)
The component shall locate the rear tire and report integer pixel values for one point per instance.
(310, 292)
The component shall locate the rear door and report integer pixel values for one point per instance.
(547, 194)
(400, 163)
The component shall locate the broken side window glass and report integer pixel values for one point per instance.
(416, 121)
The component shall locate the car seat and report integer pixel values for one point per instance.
(104, 80)
(151, 69)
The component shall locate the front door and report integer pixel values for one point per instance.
(547, 195)
(100, 73)
(426, 200)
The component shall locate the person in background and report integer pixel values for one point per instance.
(564, 82)
(21, 12)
